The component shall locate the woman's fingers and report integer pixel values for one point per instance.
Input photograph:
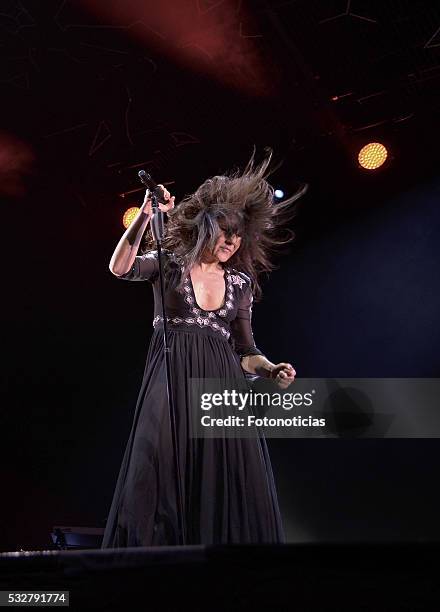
(168, 198)
(166, 193)
(147, 196)
(286, 368)
(284, 383)
(170, 204)
(286, 374)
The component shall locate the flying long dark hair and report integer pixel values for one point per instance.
(242, 203)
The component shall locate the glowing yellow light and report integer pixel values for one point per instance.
(372, 155)
(129, 215)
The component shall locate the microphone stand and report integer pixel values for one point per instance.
(157, 229)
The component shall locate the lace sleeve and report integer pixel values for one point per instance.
(145, 267)
(241, 329)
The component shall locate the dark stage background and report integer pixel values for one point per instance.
(91, 91)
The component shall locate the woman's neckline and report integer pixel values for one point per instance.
(225, 274)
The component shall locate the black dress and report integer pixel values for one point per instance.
(228, 485)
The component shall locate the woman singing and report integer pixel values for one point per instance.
(217, 242)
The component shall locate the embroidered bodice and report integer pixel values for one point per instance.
(232, 321)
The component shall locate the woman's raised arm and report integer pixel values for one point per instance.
(126, 250)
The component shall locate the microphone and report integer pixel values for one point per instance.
(152, 186)
(157, 220)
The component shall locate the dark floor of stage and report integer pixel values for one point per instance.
(296, 577)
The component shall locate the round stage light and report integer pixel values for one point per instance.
(129, 216)
(372, 155)
(279, 193)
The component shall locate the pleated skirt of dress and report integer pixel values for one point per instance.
(228, 485)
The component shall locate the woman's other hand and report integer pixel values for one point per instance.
(283, 374)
